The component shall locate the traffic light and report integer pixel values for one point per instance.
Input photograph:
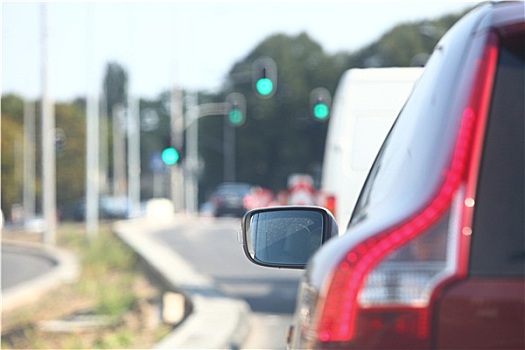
(264, 77)
(320, 103)
(236, 112)
(170, 156)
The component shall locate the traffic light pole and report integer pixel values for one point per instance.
(229, 153)
(193, 114)
(133, 124)
(177, 130)
(192, 154)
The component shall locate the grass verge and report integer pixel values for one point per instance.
(111, 285)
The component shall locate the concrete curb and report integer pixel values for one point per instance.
(216, 321)
(66, 271)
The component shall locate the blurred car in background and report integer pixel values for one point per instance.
(110, 208)
(229, 198)
(434, 253)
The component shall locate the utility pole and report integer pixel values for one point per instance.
(119, 151)
(48, 143)
(229, 153)
(133, 132)
(92, 166)
(103, 145)
(29, 160)
(132, 127)
(192, 154)
(92, 146)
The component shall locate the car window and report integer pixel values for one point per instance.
(498, 247)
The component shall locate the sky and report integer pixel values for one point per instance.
(190, 44)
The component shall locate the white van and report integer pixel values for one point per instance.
(366, 103)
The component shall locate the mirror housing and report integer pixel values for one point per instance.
(286, 237)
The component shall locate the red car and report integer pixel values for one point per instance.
(434, 253)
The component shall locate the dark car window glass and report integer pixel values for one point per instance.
(498, 247)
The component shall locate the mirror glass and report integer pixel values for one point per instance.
(287, 237)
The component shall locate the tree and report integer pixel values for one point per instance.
(279, 137)
(404, 44)
(71, 158)
(70, 163)
(11, 143)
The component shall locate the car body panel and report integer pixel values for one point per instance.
(471, 315)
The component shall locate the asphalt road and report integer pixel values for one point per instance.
(212, 247)
(20, 264)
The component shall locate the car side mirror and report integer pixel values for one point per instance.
(286, 237)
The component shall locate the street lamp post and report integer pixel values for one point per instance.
(48, 144)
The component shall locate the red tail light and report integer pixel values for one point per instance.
(361, 298)
(329, 203)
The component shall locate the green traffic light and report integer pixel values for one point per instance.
(170, 156)
(235, 116)
(264, 86)
(321, 111)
